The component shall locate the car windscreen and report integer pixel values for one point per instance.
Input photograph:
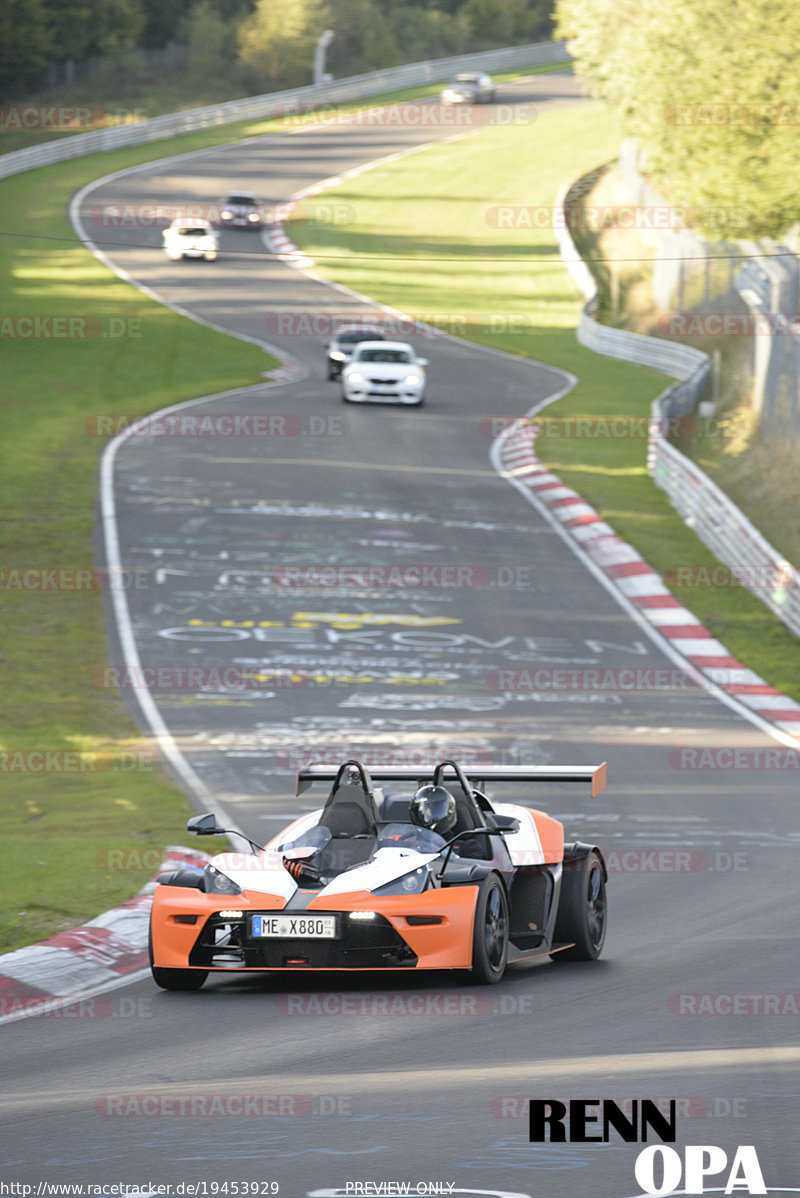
(310, 840)
(384, 355)
(410, 836)
(192, 231)
(353, 335)
(248, 201)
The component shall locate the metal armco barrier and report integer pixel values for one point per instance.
(355, 87)
(749, 560)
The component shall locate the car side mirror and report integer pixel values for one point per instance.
(204, 825)
(421, 362)
(505, 823)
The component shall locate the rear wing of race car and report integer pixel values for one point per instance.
(593, 774)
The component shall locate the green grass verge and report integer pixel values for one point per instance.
(426, 241)
(81, 828)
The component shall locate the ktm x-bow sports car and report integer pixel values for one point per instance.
(438, 876)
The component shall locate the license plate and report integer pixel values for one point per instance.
(294, 927)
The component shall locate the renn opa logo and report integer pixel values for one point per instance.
(659, 1169)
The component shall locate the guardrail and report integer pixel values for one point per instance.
(750, 560)
(355, 87)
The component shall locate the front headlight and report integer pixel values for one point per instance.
(413, 883)
(226, 214)
(217, 883)
(412, 380)
(338, 356)
(253, 216)
(355, 376)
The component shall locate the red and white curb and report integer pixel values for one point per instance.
(289, 372)
(43, 977)
(642, 587)
(276, 237)
(277, 241)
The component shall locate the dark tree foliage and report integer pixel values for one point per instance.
(24, 45)
(266, 43)
(81, 29)
(162, 22)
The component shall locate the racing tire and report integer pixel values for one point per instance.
(174, 979)
(582, 909)
(490, 934)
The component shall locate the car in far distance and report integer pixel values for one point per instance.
(384, 372)
(344, 341)
(240, 210)
(470, 87)
(188, 237)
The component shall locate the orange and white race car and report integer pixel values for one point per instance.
(437, 876)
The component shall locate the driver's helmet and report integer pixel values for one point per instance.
(434, 807)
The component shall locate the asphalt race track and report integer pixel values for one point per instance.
(416, 1079)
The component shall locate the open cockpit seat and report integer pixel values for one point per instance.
(351, 818)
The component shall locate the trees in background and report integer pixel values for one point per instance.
(277, 40)
(710, 91)
(266, 43)
(211, 40)
(25, 44)
(80, 29)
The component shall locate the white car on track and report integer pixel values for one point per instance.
(384, 372)
(187, 237)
